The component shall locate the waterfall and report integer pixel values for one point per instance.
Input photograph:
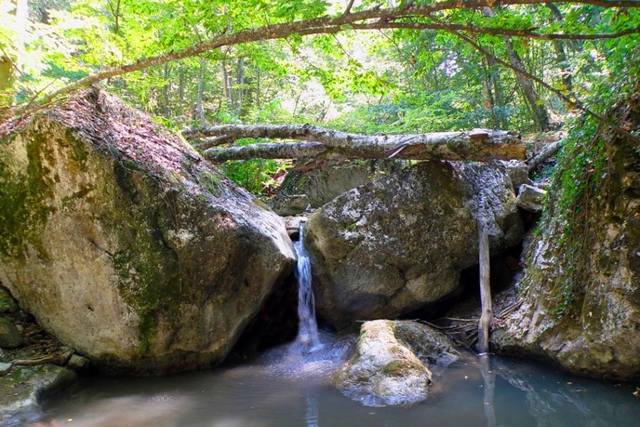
(308, 329)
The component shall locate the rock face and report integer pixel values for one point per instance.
(316, 182)
(389, 247)
(125, 244)
(390, 363)
(580, 294)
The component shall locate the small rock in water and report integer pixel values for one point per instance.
(390, 363)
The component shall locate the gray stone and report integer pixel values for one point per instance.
(531, 198)
(390, 364)
(126, 244)
(390, 247)
(10, 336)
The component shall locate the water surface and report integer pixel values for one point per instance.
(288, 387)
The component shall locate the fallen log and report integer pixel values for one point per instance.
(544, 154)
(476, 145)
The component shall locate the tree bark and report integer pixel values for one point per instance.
(484, 325)
(548, 151)
(478, 145)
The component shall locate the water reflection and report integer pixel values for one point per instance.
(283, 392)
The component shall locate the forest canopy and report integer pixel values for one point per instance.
(370, 66)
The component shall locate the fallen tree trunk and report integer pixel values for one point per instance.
(477, 145)
(544, 154)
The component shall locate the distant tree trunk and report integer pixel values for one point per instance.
(166, 107)
(239, 89)
(558, 45)
(490, 95)
(181, 85)
(534, 102)
(198, 113)
(226, 87)
(258, 94)
(540, 114)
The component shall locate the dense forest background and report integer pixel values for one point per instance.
(386, 80)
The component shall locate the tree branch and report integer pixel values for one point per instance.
(321, 25)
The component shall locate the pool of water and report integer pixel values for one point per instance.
(287, 388)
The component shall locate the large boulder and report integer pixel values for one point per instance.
(579, 300)
(314, 183)
(389, 247)
(390, 363)
(125, 244)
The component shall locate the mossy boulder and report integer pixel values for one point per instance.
(125, 243)
(579, 299)
(391, 246)
(390, 363)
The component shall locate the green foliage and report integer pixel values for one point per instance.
(362, 81)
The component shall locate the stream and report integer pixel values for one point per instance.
(290, 386)
(288, 391)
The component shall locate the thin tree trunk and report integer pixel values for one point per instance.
(541, 116)
(239, 90)
(198, 115)
(538, 109)
(484, 325)
(166, 108)
(558, 45)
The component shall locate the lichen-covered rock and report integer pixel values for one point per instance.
(125, 244)
(390, 364)
(390, 247)
(312, 184)
(580, 294)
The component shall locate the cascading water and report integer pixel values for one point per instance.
(308, 329)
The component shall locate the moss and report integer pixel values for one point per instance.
(148, 269)
(584, 183)
(398, 368)
(24, 196)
